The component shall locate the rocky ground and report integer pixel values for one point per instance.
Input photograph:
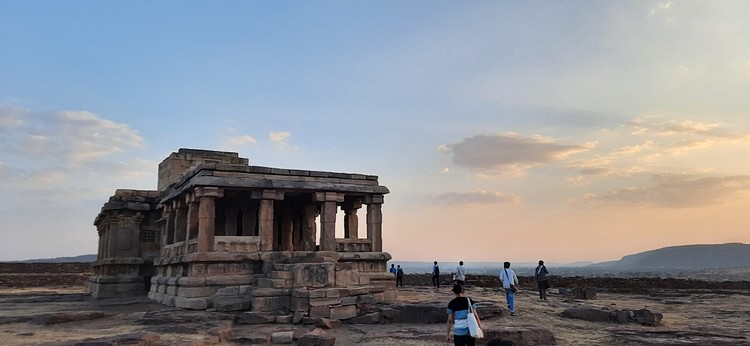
(692, 314)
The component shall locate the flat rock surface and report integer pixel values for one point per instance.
(691, 317)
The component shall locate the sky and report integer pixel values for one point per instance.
(505, 130)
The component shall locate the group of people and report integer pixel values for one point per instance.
(399, 273)
(461, 306)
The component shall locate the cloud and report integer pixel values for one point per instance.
(72, 136)
(66, 151)
(280, 140)
(677, 191)
(476, 197)
(509, 153)
(240, 140)
(689, 134)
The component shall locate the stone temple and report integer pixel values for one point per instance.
(221, 234)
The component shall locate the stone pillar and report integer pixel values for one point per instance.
(192, 217)
(207, 216)
(328, 218)
(351, 221)
(249, 219)
(328, 226)
(309, 228)
(375, 222)
(111, 229)
(100, 249)
(287, 232)
(169, 234)
(266, 215)
(230, 221)
(180, 220)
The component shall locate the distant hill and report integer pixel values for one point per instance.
(686, 257)
(81, 258)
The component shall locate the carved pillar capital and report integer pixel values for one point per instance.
(209, 191)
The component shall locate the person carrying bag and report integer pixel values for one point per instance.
(463, 320)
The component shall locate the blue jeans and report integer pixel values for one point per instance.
(511, 298)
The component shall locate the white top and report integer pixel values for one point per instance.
(460, 273)
(505, 275)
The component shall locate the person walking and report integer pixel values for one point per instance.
(435, 275)
(542, 282)
(399, 276)
(458, 311)
(460, 273)
(510, 281)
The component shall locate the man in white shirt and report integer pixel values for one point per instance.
(510, 280)
(460, 274)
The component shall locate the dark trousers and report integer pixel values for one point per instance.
(436, 280)
(543, 286)
(399, 281)
(463, 340)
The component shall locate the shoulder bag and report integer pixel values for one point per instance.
(513, 287)
(474, 330)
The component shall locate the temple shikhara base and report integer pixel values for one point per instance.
(221, 234)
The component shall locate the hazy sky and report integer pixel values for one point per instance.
(505, 130)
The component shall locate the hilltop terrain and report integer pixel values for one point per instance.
(694, 313)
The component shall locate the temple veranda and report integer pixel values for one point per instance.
(221, 234)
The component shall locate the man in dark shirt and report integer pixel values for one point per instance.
(435, 275)
(399, 276)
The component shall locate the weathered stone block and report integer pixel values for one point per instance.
(325, 301)
(228, 280)
(316, 338)
(320, 312)
(191, 303)
(379, 297)
(243, 289)
(228, 291)
(270, 292)
(301, 293)
(281, 275)
(327, 323)
(280, 303)
(191, 281)
(314, 275)
(255, 318)
(355, 291)
(371, 318)
(230, 303)
(320, 293)
(366, 299)
(349, 300)
(193, 292)
(285, 319)
(333, 293)
(343, 312)
(299, 304)
(285, 337)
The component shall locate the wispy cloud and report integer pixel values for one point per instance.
(73, 136)
(677, 191)
(476, 197)
(59, 150)
(279, 139)
(509, 153)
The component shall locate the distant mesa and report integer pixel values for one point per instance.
(74, 259)
(685, 257)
